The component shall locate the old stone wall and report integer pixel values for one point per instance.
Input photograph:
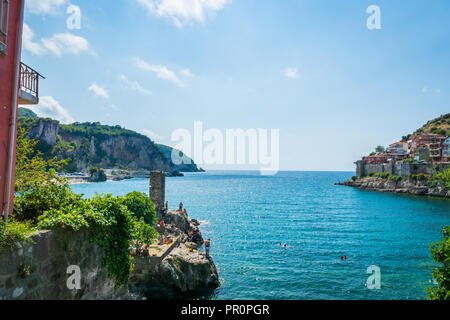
(400, 169)
(39, 270)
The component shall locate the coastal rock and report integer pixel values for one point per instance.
(182, 273)
(403, 186)
(179, 218)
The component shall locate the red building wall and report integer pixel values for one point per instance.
(7, 77)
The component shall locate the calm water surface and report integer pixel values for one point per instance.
(247, 215)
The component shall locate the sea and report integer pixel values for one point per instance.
(282, 237)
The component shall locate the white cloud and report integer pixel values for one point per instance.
(134, 85)
(291, 73)
(426, 90)
(58, 44)
(48, 107)
(27, 41)
(150, 134)
(61, 43)
(99, 91)
(162, 72)
(187, 73)
(183, 12)
(44, 6)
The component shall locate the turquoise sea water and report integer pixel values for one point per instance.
(247, 215)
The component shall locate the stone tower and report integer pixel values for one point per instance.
(360, 168)
(158, 188)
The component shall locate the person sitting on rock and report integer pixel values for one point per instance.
(181, 207)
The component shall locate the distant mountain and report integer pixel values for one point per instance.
(94, 144)
(188, 164)
(27, 113)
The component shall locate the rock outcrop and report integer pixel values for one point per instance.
(45, 130)
(185, 272)
(403, 186)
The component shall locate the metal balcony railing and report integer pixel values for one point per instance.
(29, 85)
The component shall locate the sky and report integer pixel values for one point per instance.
(310, 68)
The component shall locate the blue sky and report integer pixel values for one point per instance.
(310, 68)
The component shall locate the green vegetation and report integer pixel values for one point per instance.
(83, 141)
(45, 201)
(141, 206)
(439, 125)
(408, 160)
(388, 176)
(383, 175)
(26, 113)
(441, 177)
(379, 149)
(440, 252)
(444, 177)
(15, 232)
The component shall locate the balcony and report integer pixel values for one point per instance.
(29, 85)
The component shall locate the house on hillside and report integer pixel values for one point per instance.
(446, 150)
(432, 142)
(376, 159)
(398, 151)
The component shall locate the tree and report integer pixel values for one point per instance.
(379, 149)
(440, 252)
(37, 188)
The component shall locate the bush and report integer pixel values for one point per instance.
(354, 178)
(408, 160)
(383, 175)
(141, 206)
(440, 252)
(113, 225)
(15, 232)
(115, 235)
(395, 178)
(30, 204)
(37, 187)
(444, 176)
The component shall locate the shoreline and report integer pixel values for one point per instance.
(404, 186)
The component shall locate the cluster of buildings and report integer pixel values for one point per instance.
(431, 148)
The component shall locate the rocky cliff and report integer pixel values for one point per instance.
(186, 165)
(93, 144)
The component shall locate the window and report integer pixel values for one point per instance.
(4, 11)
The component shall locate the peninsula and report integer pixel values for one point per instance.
(419, 164)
